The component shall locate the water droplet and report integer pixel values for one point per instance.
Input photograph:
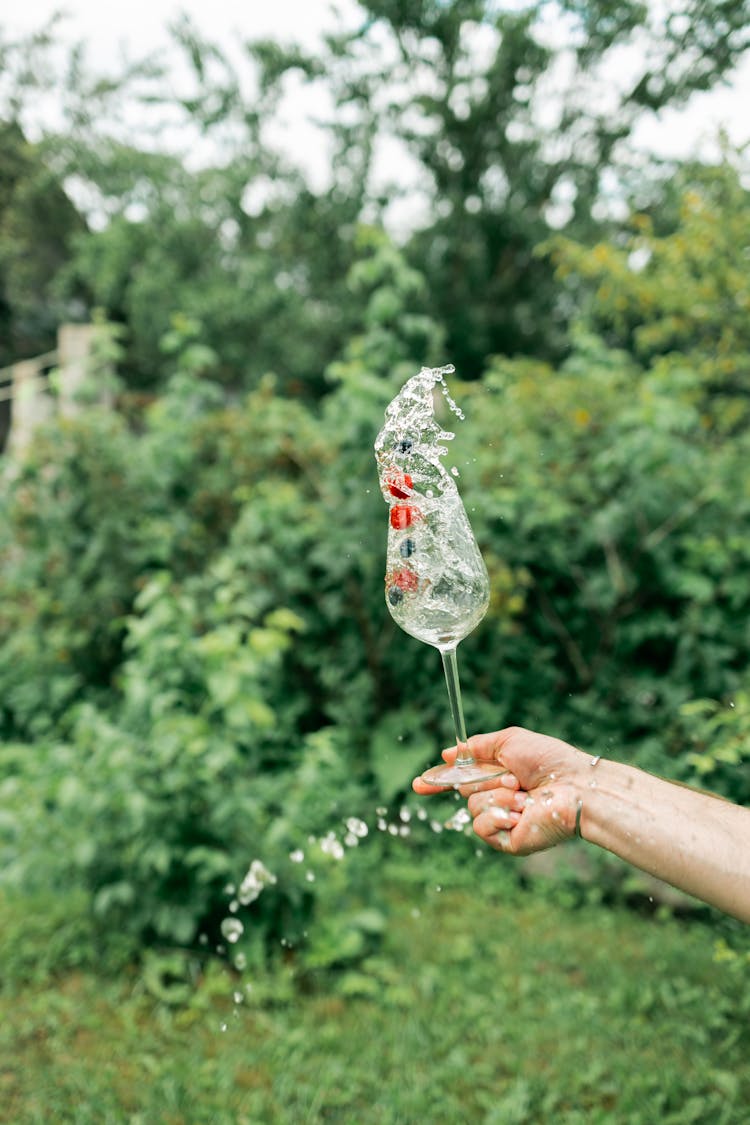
(232, 929)
(438, 888)
(381, 810)
(229, 889)
(455, 471)
(595, 761)
(240, 961)
(256, 878)
(310, 876)
(356, 826)
(234, 906)
(436, 826)
(421, 814)
(223, 1026)
(393, 829)
(381, 824)
(331, 845)
(405, 814)
(351, 840)
(592, 785)
(238, 997)
(459, 820)
(297, 856)
(404, 830)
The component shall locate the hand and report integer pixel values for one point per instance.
(533, 805)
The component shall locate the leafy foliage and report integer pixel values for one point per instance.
(198, 670)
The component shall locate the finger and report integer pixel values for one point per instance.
(502, 841)
(424, 789)
(493, 821)
(505, 780)
(499, 797)
(489, 747)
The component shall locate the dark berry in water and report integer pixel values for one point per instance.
(405, 445)
(407, 548)
(395, 595)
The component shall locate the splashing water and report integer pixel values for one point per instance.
(232, 929)
(436, 581)
(412, 433)
(331, 845)
(459, 820)
(257, 877)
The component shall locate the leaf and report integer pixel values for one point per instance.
(399, 750)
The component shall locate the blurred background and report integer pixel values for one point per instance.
(227, 237)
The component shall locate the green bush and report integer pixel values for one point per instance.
(200, 670)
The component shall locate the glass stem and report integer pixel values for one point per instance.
(450, 667)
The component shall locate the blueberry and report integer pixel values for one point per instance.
(395, 595)
(407, 548)
(405, 445)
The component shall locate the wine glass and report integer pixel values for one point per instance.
(436, 583)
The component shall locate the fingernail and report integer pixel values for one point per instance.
(510, 781)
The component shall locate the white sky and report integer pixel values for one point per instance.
(138, 27)
(141, 24)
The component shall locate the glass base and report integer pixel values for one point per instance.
(451, 777)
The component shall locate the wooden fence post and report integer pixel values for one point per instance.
(74, 345)
(29, 393)
(31, 404)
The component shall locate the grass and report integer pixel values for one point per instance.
(491, 1004)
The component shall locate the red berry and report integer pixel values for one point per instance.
(399, 484)
(403, 516)
(405, 579)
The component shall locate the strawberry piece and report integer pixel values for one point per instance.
(399, 484)
(405, 579)
(403, 516)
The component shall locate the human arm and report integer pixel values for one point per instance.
(695, 841)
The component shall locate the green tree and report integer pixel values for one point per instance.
(500, 144)
(506, 149)
(38, 222)
(673, 289)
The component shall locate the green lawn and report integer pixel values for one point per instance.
(494, 1006)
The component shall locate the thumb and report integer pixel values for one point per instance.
(489, 747)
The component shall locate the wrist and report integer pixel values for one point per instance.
(584, 787)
